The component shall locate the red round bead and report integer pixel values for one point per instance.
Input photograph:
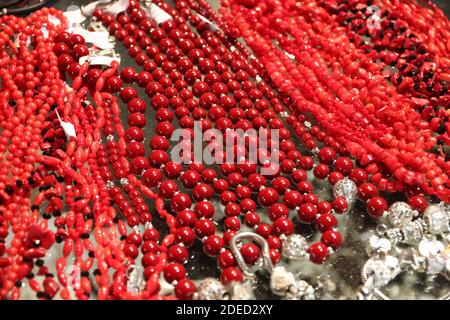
(376, 207)
(213, 244)
(267, 197)
(174, 272)
(326, 222)
(180, 202)
(231, 274)
(128, 74)
(226, 259)
(307, 213)
(185, 289)
(178, 253)
(283, 226)
(204, 227)
(167, 189)
(250, 252)
(278, 210)
(318, 252)
(418, 202)
(332, 239)
(343, 165)
(128, 93)
(340, 204)
(358, 176)
(326, 155)
(204, 209)
(185, 235)
(367, 190)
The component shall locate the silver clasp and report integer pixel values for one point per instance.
(240, 259)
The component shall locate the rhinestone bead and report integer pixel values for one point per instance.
(412, 232)
(400, 213)
(347, 188)
(295, 247)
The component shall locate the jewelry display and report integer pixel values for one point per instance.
(161, 150)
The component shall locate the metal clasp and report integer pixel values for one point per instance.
(240, 259)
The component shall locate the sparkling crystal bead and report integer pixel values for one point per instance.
(437, 219)
(435, 264)
(400, 213)
(412, 232)
(295, 247)
(394, 235)
(110, 137)
(347, 188)
(210, 289)
(123, 181)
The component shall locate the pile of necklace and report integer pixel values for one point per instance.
(328, 104)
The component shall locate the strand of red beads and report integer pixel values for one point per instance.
(27, 94)
(417, 200)
(89, 187)
(127, 24)
(400, 172)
